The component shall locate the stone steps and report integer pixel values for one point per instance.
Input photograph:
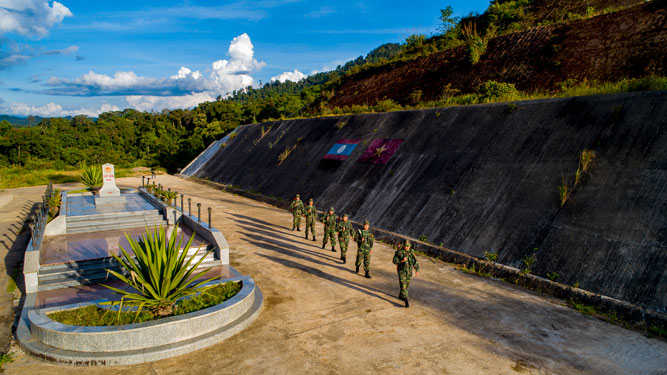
(97, 223)
(86, 272)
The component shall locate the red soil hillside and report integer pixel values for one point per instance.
(630, 43)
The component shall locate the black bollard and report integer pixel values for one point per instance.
(189, 206)
(199, 212)
(143, 178)
(182, 208)
(209, 218)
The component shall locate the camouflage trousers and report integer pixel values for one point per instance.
(404, 282)
(329, 233)
(296, 220)
(365, 255)
(310, 223)
(343, 241)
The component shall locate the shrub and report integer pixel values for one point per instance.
(564, 192)
(475, 43)
(54, 203)
(91, 176)
(491, 90)
(490, 256)
(158, 275)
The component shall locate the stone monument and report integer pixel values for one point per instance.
(110, 193)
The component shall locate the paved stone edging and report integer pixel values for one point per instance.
(638, 316)
(139, 342)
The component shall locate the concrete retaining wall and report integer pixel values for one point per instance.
(485, 178)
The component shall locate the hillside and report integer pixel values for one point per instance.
(629, 43)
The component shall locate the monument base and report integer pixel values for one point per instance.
(101, 201)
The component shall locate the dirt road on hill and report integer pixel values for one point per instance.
(320, 317)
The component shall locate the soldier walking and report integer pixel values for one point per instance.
(405, 260)
(297, 211)
(344, 230)
(330, 221)
(364, 239)
(310, 213)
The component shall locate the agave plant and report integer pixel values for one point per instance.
(158, 275)
(54, 203)
(91, 176)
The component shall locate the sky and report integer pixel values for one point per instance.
(70, 57)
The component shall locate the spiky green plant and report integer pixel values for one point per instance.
(54, 203)
(91, 176)
(158, 275)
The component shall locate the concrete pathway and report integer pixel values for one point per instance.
(322, 318)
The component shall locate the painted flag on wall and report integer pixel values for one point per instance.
(380, 151)
(340, 151)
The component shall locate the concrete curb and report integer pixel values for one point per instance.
(139, 342)
(638, 316)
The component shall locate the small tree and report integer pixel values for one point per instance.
(448, 22)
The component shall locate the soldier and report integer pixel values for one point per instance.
(330, 220)
(344, 230)
(310, 213)
(297, 211)
(405, 260)
(364, 239)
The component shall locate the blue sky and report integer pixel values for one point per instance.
(85, 57)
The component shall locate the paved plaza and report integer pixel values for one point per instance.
(320, 317)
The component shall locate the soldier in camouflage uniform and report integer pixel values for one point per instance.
(310, 213)
(364, 239)
(344, 230)
(405, 260)
(330, 221)
(297, 211)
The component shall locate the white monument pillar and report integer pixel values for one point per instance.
(110, 193)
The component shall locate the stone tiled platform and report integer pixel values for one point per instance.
(84, 205)
(97, 245)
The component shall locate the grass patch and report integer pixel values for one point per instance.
(93, 315)
(5, 358)
(11, 283)
(15, 177)
(473, 271)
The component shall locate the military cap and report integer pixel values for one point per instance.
(366, 222)
(297, 196)
(331, 208)
(406, 243)
(346, 215)
(310, 200)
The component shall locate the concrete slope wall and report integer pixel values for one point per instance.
(484, 178)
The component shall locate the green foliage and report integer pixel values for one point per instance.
(563, 192)
(582, 308)
(54, 203)
(5, 358)
(423, 238)
(490, 256)
(157, 273)
(528, 261)
(92, 315)
(448, 22)
(492, 90)
(553, 276)
(91, 176)
(475, 43)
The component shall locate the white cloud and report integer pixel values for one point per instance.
(52, 110)
(294, 76)
(323, 11)
(157, 103)
(225, 76)
(31, 18)
(65, 51)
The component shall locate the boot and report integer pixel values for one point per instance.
(368, 275)
(314, 239)
(407, 304)
(298, 229)
(357, 270)
(306, 235)
(344, 260)
(323, 245)
(292, 228)
(401, 297)
(333, 248)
